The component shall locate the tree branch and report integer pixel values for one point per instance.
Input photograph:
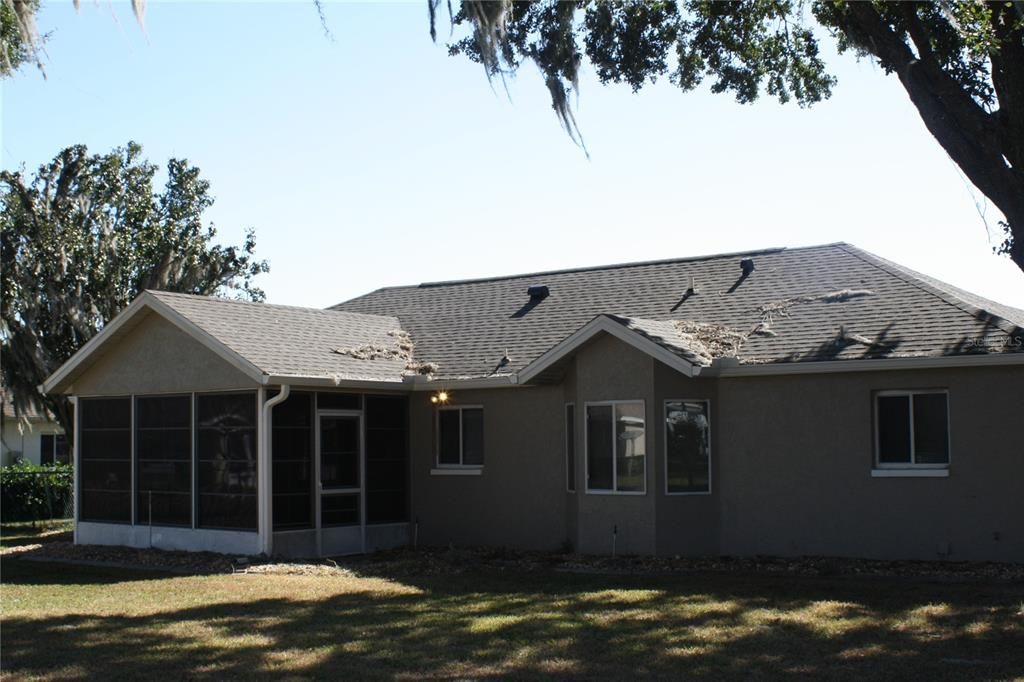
(958, 123)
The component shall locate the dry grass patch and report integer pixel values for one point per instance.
(367, 620)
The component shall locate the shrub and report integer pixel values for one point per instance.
(29, 492)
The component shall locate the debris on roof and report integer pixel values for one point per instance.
(710, 341)
(424, 368)
(372, 351)
(769, 311)
(851, 337)
(402, 350)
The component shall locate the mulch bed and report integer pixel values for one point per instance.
(439, 561)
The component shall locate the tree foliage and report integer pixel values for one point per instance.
(83, 238)
(961, 63)
(19, 41)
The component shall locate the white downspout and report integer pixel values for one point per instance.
(265, 452)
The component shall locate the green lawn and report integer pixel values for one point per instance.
(69, 622)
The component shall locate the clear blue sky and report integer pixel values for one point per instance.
(378, 160)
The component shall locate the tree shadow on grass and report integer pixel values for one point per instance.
(490, 623)
(41, 532)
(15, 570)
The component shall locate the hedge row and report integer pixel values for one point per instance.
(29, 492)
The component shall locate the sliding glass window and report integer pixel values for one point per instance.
(226, 460)
(163, 460)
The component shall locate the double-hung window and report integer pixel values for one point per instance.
(912, 429)
(687, 447)
(616, 447)
(460, 437)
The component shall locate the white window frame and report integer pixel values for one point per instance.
(890, 469)
(615, 469)
(448, 468)
(570, 482)
(664, 414)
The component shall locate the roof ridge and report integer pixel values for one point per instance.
(159, 293)
(610, 266)
(593, 268)
(921, 281)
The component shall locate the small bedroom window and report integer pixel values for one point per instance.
(912, 430)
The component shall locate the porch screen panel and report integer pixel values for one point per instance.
(105, 451)
(163, 466)
(226, 460)
(387, 462)
(293, 462)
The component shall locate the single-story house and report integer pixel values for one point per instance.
(805, 401)
(33, 436)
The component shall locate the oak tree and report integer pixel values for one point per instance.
(84, 237)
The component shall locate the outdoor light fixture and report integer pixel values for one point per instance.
(441, 397)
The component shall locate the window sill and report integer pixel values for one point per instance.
(457, 471)
(628, 493)
(910, 473)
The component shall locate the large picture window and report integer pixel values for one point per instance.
(105, 459)
(163, 460)
(292, 436)
(460, 437)
(616, 447)
(912, 429)
(687, 447)
(226, 460)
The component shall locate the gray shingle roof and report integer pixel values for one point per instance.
(816, 303)
(293, 341)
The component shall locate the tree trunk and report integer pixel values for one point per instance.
(986, 146)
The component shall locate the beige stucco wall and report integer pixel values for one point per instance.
(796, 453)
(791, 468)
(572, 506)
(687, 525)
(608, 369)
(519, 499)
(157, 357)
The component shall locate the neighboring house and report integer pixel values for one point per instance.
(32, 437)
(810, 401)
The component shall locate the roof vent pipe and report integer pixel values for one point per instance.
(747, 265)
(538, 292)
